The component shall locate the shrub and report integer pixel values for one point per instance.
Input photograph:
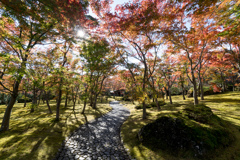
(152, 104)
(21, 98)
(140, 106)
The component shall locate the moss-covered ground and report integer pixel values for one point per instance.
(226, 106)
(36, 135)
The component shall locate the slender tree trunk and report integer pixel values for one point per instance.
(201, 86)
(224, 86)
(158, 107)
(59, 102)
(166, 92)
(199, 90)
(144, 110)
(183, 90)
(39, 98)
(34, 102)
(223, 82)
(95, 102)
(79, 97)
(66, 100)
(233, 80)
(194, 89)
(74, 102)
(91, 99)
(202, 91)
(43, 93)
(84, 106)
(169, 93)
(144, 105)
(25, 98)
(47, 100)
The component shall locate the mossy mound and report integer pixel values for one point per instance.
(199, 113)
(193, 132)
(151, 105)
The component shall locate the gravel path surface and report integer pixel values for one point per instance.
(99, 139)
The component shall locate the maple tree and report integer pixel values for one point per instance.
(201, 38)
(140, 31)
(167, 71)
(98, 63)
(26, 24)
(192, 42)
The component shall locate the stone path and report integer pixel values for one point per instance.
(99, 139)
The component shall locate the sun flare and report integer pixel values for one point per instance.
(80, 33)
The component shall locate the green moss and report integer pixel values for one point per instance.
(187, 133)
(224, 123)
(36, 135)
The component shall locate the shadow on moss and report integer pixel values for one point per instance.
(193, 132)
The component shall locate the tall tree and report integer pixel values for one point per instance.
(26, 24)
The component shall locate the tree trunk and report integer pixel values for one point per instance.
(14, 94)
(66, 100)
(144, 110)
(95, 102)
(91, 99)
(58, 104)
(7, 114)
(201, 86)
(169, 93)
(39, 98)
(47, 100)
(223, 82)
(199, 90)
(144, 89)
(84, 106)
(74, 102)
(183, 90)
(158, 107)
(233, 81)
(194, 89)
(34, 102)
(25, 100)
(202, 91)
(166, 91)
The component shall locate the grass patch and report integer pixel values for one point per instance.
(36, 135)
(226, 106)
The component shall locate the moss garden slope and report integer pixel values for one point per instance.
(192, 132)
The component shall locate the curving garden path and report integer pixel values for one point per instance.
(99, 139)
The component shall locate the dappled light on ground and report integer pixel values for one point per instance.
(36, 135)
